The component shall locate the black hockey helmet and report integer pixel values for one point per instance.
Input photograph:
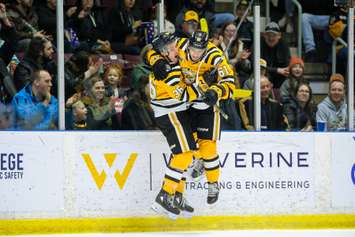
(199, 40)
(161, 40)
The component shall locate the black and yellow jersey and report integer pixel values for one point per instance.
(171, 94)
(213, 59)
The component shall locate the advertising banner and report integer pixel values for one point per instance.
(113, 172)
(31, 172)
(123, 173)
(343, 170)
(261, 173)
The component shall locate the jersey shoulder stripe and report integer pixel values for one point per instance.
(182, 43)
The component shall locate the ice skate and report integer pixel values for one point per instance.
(181, 203)
(164, 204)
(213, 192)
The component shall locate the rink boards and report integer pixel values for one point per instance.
(63, 182)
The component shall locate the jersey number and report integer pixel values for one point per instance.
(223, 71)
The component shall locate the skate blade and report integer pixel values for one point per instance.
(186, 215)
(161, 210)
(212, 205)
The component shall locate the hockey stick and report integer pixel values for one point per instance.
(234, 35)
(238, 27)
(218, 108)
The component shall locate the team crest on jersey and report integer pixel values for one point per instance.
(189, 75)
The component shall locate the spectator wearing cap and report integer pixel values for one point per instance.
(276, 52)
(204, 9)
(168, 26)
(190, 24)
(296, 69)
(245, 32)
(332, 110)
(249, 84)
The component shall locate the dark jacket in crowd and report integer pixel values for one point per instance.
(313, 7)
(100, 116)
(47, 20)
(245, 32)
(233, 121)
(74, 71)
(272, 118)
(276, 57)
(10, 38)
(92, 27)
(120, 26)
(25, 22)
(7, 86)
(297, 116)
(137, 115)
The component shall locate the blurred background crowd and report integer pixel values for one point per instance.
(106, 75)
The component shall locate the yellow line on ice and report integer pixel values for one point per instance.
(157, 224)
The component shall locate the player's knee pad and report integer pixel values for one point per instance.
(181, 161)
(207, 149)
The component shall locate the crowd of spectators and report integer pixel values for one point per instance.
(106, 76)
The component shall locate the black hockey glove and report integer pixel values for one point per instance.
(210, 77)
(161, 69)
(211, 97)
